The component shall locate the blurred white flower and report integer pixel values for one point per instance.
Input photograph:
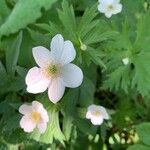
(55, 71)
(125, 60)
(109, 7)
(34, 116)
(97, 114)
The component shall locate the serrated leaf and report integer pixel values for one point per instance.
(85, 22)
(141, 78)
(67, 18)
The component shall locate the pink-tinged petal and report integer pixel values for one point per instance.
(42, 127)
(88, 115)
(104, 112)
(42, 56)
(57, 45)
(68, 53)
(27, 124)
(63, 51)
(97, 120)
(93, 107)
(36, 81)
(56, 90)
(37, 106)
(44, 115)
(25, 109)
(72, 75)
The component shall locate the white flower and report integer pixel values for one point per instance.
(109, 7)
(55, 72)
(96, 114)
(34, 116)
(125, 60)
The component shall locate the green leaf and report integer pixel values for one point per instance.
(87, 90)
(138, 147)
(95, 56)
(141, 78)
(69, 112)
(143, 131)
(12, 53)
(85, 23)
(119, 79)
(143, 33)
(67, 18)
(4, 11)
(85, 126)
(24, 13)
(3, 74)
(36, 37)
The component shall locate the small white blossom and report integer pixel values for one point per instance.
(34, 115)
(55, 72)
(97, 114)
(109, 7)
(125, 60)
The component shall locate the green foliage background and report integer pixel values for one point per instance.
(123, 89)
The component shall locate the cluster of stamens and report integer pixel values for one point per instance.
(96, 113)
(35, 117)
(51, 71)
(110, 7)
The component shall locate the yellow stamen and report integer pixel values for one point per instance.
(35, 116)
(110, 7)
(96, 113)
(51, 71)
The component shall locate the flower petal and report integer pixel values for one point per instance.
(36, 81)
(88, 115)
(117, 9)
(56, 90)
(68, 53)
(44, 115)
(108, 14)
(37, 106)
(25, 109)
(72, 75)
(42, 127)
(104, 112)
(57, 44)
(101, 8)
(42, 56)
(93, 107)
(63, 51)
(27, 124)
(97, 120)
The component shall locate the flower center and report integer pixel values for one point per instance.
(110, 7)
(96, 113)
(35, 116)
(51, 71)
